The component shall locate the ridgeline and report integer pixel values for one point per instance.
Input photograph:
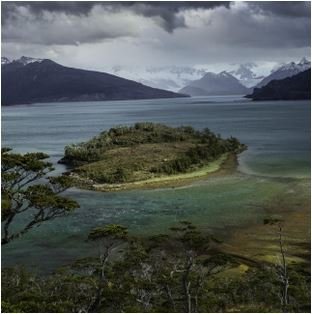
(297, 87)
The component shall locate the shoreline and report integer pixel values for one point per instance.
(226, 164)
(256, 241)
(259, 242)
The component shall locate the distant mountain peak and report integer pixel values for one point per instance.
(246, 75)
(211, 83)
(302, 65)
(304, 61)
(222, 74)
(286, 70)
(5, 60)
(210, 74)
(286, 66)
(225, 73)
(26, 60)
(22, 60)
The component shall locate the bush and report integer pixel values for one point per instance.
(120, 175)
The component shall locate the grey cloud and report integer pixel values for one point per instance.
(165, 10)
(167, 14)
(45, 22)
(84, 7)
(156, 32)
(283, 8)
(71, 7)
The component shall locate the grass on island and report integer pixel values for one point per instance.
(147, 154)
(181, 179)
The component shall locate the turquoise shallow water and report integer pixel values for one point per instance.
(275, 168)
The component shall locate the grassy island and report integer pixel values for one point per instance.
(147, 154)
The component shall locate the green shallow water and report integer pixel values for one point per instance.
(217, 205)
(273, 173)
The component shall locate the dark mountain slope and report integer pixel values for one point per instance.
(291, 88)
(286, 70)
(47, 81)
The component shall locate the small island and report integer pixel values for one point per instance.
(148, 155)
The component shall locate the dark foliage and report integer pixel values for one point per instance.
(23, 195)
(178, 272)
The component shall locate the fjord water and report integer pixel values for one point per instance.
(273, 172)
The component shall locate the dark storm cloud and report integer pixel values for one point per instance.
(56, 22)
(168, 10)
(56, 14)
(283, 8)
(164, 9)
(84, 7)
(170, 32)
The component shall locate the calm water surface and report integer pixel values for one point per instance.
(275, 168)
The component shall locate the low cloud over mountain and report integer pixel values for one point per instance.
(93, 35)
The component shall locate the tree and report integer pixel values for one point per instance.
(109, 238)
(281, 267)
(187, 266)
(23, 195)
(138, 275)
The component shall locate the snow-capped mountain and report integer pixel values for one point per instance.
(164, 77)
(5, 60)
(222, 83)
(176, 77)
(296, 87)
(26, 60)
(23, 60)
(286, 70)
(302, 65)
(245, 74)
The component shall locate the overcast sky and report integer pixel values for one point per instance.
(96, 35)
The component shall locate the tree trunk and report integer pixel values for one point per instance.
(187, 286)
(284, 274)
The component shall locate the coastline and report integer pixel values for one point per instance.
(259, 242)
(226, 164)
(254, 243)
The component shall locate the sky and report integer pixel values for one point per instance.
(97, 35)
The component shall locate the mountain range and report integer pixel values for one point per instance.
(246, 75)
(164, 77)
(29, 80)
(176, 78)
(230, 83)
(285, 70)
(295, 87)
